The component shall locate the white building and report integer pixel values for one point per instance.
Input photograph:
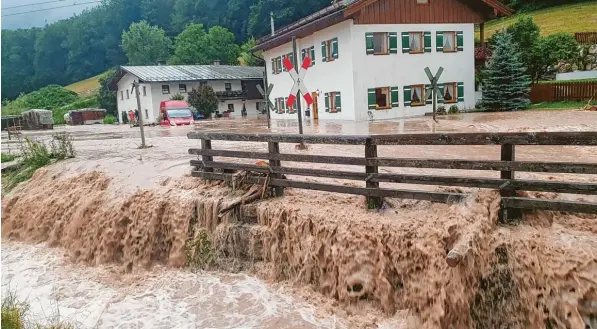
(369, 57)
(234, 85)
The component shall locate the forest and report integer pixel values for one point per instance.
(92, 42)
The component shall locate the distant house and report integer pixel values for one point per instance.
(234, 85)
(368, 56)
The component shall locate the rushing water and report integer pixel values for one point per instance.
(99, 297)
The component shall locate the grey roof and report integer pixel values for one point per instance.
(164, 73)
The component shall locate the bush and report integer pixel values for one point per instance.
(36, 154)
(109, 120)
(14, 316)
(454, 109)
(8, 157)
(204, 100)
(441, 110)
(177, 97)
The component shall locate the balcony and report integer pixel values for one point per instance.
(231, 94)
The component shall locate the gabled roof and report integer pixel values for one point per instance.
(339, 11)
(173, 73)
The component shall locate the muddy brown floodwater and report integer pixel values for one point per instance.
(121, 219)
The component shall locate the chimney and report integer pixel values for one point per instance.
(271, 19)
(216, 62)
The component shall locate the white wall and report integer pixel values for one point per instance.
(251, 106)
(354, 72)
(125, 104)
(154, 96)
(404, 69)
(323, 76)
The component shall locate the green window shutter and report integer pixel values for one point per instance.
(440, 97)
(405, 42)
(286, 108)
(327, 102)
(323, 52)
(428, 94)
(369, 43)
(407, 93)
(335, 47)
(439, 41)
(393, 36)
(312, 55)
(282, 63)
(303, 52)
(279, 59)
(459, 41)
(338, 102)
(460, 92)
(394, 96)
(371, 98)
(427, 41)
(273, 67)
(291, 57)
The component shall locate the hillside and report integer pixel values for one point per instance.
(85, 87)
(579, 17)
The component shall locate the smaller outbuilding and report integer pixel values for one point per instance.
(87, 116)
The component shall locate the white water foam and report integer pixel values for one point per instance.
(98, 297)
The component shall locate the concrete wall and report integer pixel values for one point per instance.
(577, 75)
(354, 72)
(125, 104)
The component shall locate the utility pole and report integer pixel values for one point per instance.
(136, 87)
(266, 97)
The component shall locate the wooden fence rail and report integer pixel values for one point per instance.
(568, 91)
(507, 166)
(586, 38)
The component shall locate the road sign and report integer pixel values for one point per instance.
(266, 93)
(433, 90)
(298, 81)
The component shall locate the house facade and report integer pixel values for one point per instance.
(368, 57)
(235, 87)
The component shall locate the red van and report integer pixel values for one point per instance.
(175, 113)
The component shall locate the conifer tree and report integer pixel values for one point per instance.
(506, 84)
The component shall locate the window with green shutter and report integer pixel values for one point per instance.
(393, 39)
(312, 55)
(308, 52)
(369, 43)
(459, 41)
(440, 97)
(461, 92)
(282, 63)
(405, 42)
(327, 102)
(427, 39)
(335, 48)
(394, 96)
(337, 106)
(439, 41)
(371, 98)
(279, 61)
(449, 92)
(407, 94)
(273, 66)
(324, 51)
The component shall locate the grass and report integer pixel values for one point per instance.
(87, 86)
(37, 154)
(567, 81)
(8, 157)
(559, 105)
(14, 315)
(578, 17)
(109, 120)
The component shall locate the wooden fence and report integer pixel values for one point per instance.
(507, 166)
(569, 91)
(586, 38)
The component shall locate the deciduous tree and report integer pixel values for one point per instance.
(145, 44)
(204, 100)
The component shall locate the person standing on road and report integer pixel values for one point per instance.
(131, 118)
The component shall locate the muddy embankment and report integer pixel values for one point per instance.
(541, 273)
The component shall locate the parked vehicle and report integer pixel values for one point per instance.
(175, 113)
(87, 116)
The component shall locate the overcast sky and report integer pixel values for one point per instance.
(39, 18)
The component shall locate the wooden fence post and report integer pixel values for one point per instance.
(508, 214)
(206, 145)
(274, 148)
(371, 152)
